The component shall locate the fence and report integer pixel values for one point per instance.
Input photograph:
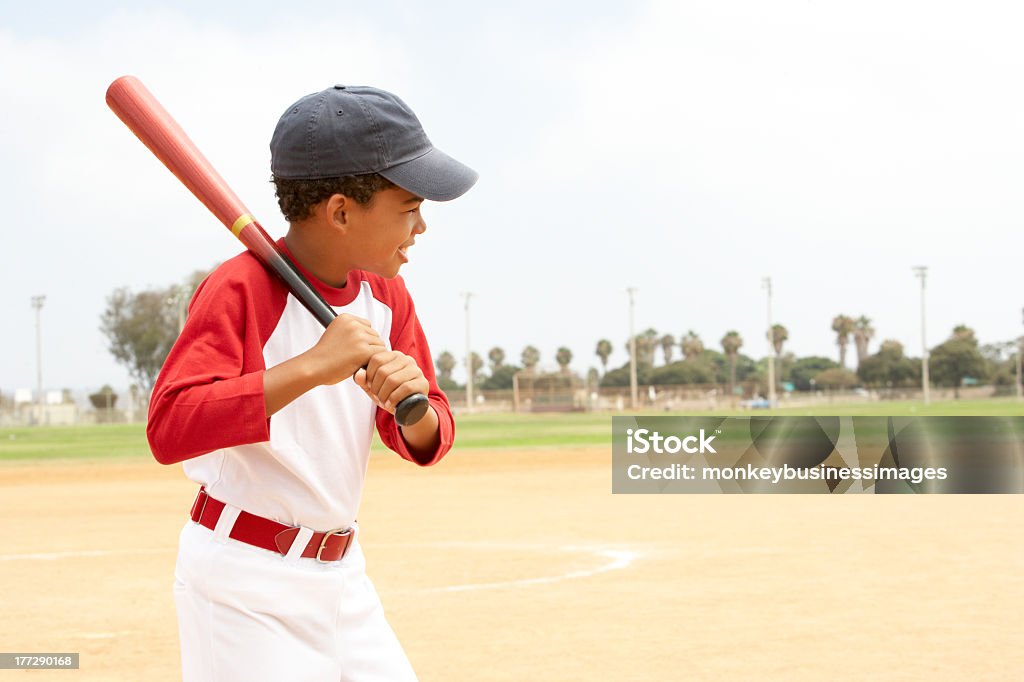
(74, 407)
(691, 397)
(77, 409)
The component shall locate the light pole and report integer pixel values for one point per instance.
(632, 351)
(37, 303)
(179, 299)
(922, 272)
(767, 282)
(469, 358)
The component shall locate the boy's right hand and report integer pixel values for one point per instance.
(346, 345)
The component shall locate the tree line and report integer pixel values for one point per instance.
(958, 360)
(141, 328)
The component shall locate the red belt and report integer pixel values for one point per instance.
(271, 535)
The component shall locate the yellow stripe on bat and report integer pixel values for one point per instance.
(242, 221)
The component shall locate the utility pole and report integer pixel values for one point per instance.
(37, 303)
(632, 351)
(469, 358)
(922, 272)
(767, 282)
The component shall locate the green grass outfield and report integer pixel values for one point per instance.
(474, 432)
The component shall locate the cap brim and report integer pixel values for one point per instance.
(434, 176)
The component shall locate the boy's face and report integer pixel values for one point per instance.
(382, 231)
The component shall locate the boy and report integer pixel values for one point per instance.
(273, 416)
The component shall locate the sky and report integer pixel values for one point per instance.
(686, 149)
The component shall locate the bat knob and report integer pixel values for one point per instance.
(411, 410)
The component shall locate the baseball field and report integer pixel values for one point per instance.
(512, 560)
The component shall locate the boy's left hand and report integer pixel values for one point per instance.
(390, 377)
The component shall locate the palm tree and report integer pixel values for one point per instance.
(667, 342)
(842, 326)
(645, 344)
(445, 363)
(604, 349)
(691, 344)
(779, 336)
(563, 356)
(731, 343)
(476, 363)
(496, 356)
(863, 332)
(530, 357)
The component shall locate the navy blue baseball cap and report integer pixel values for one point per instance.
(355, 130)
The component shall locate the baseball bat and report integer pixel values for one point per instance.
(155, 128)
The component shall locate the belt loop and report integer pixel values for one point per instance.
(299, 543)
(226, 522)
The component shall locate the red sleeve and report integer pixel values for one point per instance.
(209, 394)
(407, 336)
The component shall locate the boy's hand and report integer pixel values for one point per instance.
(390, 377)
(346, 345)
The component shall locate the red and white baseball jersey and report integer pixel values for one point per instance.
(306, 464)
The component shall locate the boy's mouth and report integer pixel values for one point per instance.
(403, 251)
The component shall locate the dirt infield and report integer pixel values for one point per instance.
(523, 566)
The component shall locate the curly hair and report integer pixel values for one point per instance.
(298, 197)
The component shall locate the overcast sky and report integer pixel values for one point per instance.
(687, 149)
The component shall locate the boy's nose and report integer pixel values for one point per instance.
(421, 227)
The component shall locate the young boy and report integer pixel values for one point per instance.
(273, 416)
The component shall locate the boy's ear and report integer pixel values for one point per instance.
(336, 209)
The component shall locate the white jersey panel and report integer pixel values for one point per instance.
(319, 444)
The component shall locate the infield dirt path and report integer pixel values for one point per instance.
(522, 566)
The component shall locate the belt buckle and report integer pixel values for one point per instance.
(340, 532)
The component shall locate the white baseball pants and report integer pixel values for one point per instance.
(248, 614)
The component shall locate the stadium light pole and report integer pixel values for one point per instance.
(632, 351)
(767, 282)
(37, 303)
(469, 358)
(922, 272)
